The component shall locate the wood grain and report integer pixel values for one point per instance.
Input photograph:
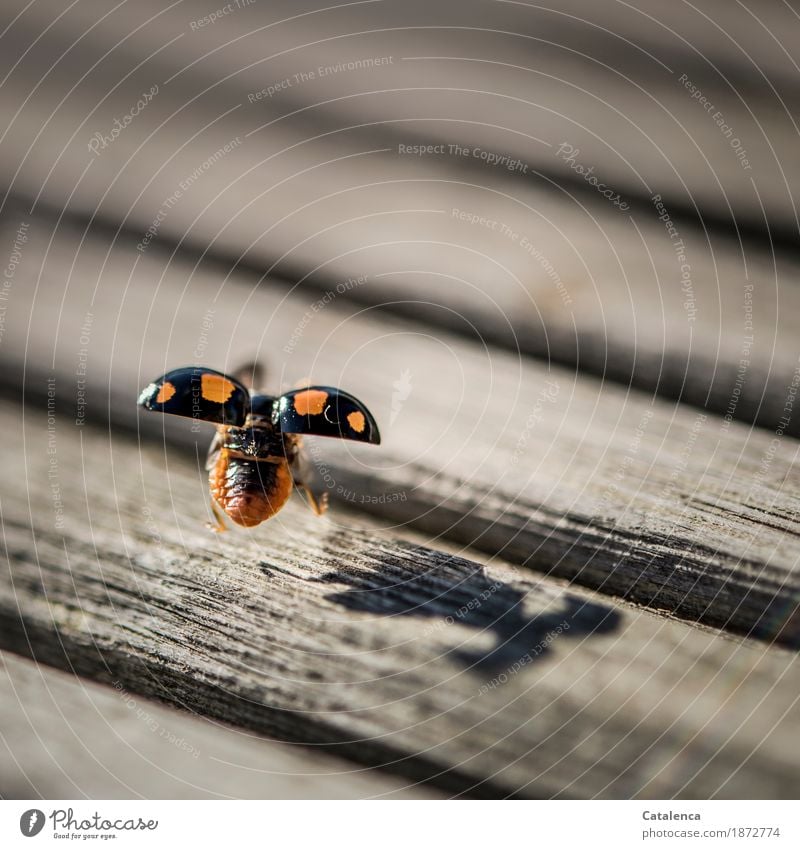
(321, 191)
(291, 226)
(366, 644)
(65, 737)
(563, 473)
(601, 76)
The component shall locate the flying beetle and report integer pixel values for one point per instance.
(257, 454)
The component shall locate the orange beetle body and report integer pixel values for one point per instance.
(257, 454)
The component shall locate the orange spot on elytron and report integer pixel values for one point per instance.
(356, 421)
(311, 402)
(214, 387)
(165, 393)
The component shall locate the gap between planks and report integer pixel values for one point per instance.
(67, 737)
(569, 475)
(366, 644)
(321, 193)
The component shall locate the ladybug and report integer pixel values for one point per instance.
(257, 454)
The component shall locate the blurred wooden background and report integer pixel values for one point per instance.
(554, 249)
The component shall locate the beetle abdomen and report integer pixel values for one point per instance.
(249, 491)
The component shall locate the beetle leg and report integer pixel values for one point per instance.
(307, 478)
(318, 503)
(220, 527)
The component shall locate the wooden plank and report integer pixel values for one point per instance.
(562, 473)
(63, 737)
(322, 193)
(366, 644)
(603, 76)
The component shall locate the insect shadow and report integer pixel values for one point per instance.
(452, 591)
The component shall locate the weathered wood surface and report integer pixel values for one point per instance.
(65, 737)
(367, 644)
(321, 193)
(562, 473)
(336, 633)
(504, 72)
